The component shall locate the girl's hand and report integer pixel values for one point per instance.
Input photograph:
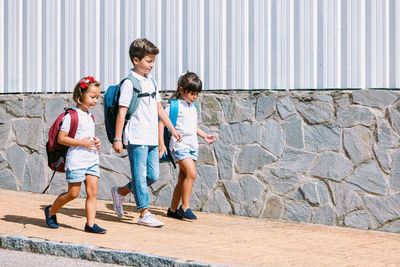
(97, 142)
(161, 150)
(177, 135)
(209, 139)
(117, 145)
(89, 143)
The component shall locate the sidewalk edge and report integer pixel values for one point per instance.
(91, 252)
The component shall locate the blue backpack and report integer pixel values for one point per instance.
(173, 116)
(111, 104)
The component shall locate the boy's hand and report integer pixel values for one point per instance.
(97, 142)
(177, 136)
(117, 145)
(209, 139)
(161, 150)
(88, 143)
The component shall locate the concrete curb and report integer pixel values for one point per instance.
(91, 252)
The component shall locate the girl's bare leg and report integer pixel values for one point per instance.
(189, 169)
(177, 195)
(91, 198)
(64, 198)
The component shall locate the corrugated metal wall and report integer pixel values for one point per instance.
(47, 45)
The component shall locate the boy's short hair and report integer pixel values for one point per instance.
(141, 47)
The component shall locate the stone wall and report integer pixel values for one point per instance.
(323, 157)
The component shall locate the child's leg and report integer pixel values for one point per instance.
(188, 168)
(177, 195)
(64, 198)
(91, 199)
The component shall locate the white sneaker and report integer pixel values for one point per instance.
(149, 220)
(118, 200)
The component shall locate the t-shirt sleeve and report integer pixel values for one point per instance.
(126, 93)
(66, 123)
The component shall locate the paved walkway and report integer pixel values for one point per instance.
(213, 238)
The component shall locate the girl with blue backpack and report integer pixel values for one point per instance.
(183, 106)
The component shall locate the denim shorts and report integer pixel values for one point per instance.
(184, 153)
(79, 175)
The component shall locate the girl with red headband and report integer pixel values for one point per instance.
(82, 159)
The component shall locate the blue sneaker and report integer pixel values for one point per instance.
(95, 229)
(50, 220)
(173, 214)
(188, 214)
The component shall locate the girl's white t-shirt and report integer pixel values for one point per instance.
(77, 156)
(142, 128)
(186, 125)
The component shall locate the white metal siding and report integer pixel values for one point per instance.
(47, 45)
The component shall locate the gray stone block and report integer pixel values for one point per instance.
(315, 112)
(359, 219)
(248, 189)
(116, 164)
(203, 185)
(3, 161)
(250, 158)
(29, 132)
(357, 142)
(238, 109)
(345, 199)
(224, 154)
(273, 138)
(281, 180)
(294, 132)
(15, 106)
(393, 227)
(315, 192)
(395, 172)
(265, 107)
(382, 156)
(298, 212)
(285, 107)
(323, 137)
(16, 157)
(384, 134)
(370, 178)
(273, 208)
(218, 203)
(98, 112)
(4, 115)
(7, 180)
(33, 106)
(296, 160)
(53, 108)
(205, 155)
(324, 215)
(164, 196)
(241, 134)
(5, 130)
(107, 180)
(342, 100)
(354, 115)
(331, 166)
(384, 209)
(34, 178)
(211, 111)
(371, 98)
(394, 116)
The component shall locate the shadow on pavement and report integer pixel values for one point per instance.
(34, 221)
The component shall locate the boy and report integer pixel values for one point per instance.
(141, 132)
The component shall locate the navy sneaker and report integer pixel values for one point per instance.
(50, 220)
(173, 214)
(95, 229)
(188, 214)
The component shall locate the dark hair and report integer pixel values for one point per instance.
(189, 82)
(80, 92)
(141, 47)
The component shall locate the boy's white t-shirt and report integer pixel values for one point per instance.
(77, 156)
(186, 125)
(142, 128)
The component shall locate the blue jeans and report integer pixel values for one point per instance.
(144, 170)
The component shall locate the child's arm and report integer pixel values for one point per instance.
(119, 125)
(64, 139)
(207, 137)
(161, 146)
(167, 122)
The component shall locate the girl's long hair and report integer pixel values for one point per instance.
(190, 82)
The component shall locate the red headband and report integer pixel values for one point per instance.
(85, 83)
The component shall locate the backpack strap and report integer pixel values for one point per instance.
(74, 122)
(173, 111)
